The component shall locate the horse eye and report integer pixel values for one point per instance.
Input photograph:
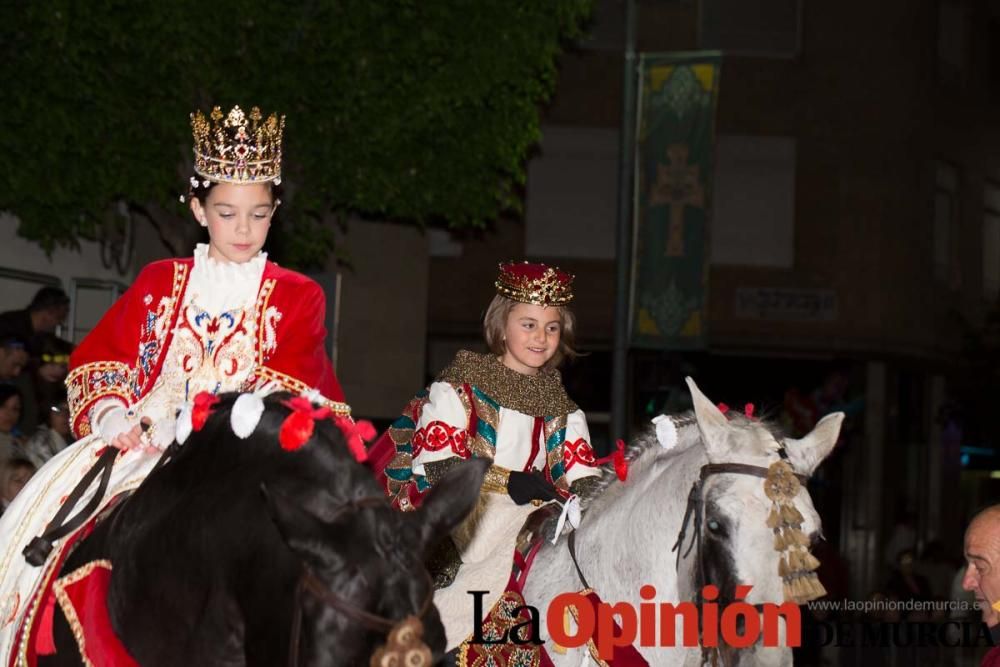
(714, 525)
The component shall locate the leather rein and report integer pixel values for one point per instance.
(309, 583)
(695, 508)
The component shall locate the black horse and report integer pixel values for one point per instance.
(239, 553)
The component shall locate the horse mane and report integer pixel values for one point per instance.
(221, 452)
(646, 442)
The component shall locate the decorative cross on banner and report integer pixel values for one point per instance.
(679, 186)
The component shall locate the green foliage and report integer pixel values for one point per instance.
(405, 110)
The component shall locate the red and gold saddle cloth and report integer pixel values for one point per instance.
(81, 597)
(509, 617)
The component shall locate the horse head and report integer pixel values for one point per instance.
(364, 582)
(753, 533)
(711, 499)
(364, 592)
(268, 554)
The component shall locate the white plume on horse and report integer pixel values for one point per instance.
(628, 530)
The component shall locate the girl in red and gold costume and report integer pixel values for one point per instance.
(510, 406)
(225, 320)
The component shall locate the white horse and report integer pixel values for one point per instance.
(627, 535)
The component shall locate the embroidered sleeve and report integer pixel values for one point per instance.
(118, 360)
(577, 454)
(441, 432)
(291, 346)
(103, 365)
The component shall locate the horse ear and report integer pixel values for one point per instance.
(711, 422)
(301, 529)
(451, 500)
(807, 453)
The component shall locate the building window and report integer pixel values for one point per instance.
(991, 241)
(945, 217)
(753, 204)
(768, 28)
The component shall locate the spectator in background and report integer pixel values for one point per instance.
(13, 476)
(982, 574)
(10, 412)
(44, 385)
(13, 357)
(53, 433)
(47, 310)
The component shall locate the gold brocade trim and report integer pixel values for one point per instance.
(556, 455)
(477, 445)
(81, 391)
(590, 642)
(554, 424)
(500, 621)
(485, 411)
(265, 375)
(266, 335)
(539, 395)
(496, 479)
(69, 611)
(29, 619)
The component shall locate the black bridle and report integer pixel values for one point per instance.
(309, 583)
(696, 508)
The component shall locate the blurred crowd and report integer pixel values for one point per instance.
(931, 574)
(34, 415)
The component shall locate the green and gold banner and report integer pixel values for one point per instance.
(675, 145)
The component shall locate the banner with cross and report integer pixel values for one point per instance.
(676, 136)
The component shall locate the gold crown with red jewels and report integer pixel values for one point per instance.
(236, 147)
(537, 284)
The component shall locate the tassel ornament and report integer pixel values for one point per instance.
(796, 566)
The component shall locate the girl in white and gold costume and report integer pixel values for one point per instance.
(509, 406)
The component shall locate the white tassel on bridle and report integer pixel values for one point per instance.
(248, 408)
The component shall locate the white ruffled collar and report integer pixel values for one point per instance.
(217, 286)
(214, 269)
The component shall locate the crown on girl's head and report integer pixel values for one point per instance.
(237, 148)
(537, 284)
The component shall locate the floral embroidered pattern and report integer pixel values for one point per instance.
(154, 331)
(209, 352)
(89, 382)
(438, 435)
(267, 318)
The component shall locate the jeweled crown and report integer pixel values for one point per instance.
(537, 284)
(236, 147)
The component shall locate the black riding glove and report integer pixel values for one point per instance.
(523, 487)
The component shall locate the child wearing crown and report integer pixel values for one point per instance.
(225, 320)
(510, 406)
